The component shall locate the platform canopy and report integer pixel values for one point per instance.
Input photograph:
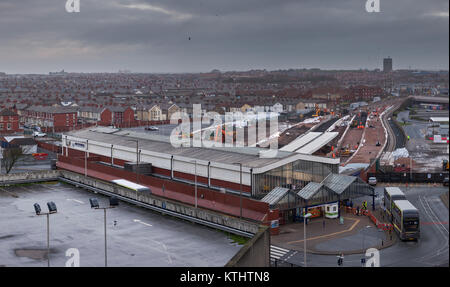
(333, 188)
(316, 193)
(282, 198)
(317, 143)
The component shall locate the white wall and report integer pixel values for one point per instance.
(220, 171)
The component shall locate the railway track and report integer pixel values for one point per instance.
(395, 138)
(323, 127)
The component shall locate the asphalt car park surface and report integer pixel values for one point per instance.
(135, 236)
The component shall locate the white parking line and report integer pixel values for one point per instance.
(141, 222)
(76, 200)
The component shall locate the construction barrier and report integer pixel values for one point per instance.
(379, 225)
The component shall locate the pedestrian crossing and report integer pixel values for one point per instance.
(276, 253)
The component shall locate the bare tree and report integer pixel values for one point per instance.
(10, 157)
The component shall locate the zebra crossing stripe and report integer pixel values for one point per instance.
(277, 252)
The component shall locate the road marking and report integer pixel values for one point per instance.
(169, 259)
(10, 193)
(76, 200)
(331, 234)
(141, 222)
(432, 215)
(277, 252)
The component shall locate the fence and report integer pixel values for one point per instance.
(138, 123)
(406, 177)
(379, 224)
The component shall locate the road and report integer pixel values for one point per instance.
(431, 250)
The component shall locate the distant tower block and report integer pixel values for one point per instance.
(387, 64)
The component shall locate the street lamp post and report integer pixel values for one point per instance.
(113, 202)
(364, 232)
(305, 217)
(51, 209)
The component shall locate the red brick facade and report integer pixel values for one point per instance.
(9, 122)
(207, 198)
(118, 117)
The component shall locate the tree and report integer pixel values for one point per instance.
(10, 157)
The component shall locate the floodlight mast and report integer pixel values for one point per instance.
(51, 210)
(113, 202)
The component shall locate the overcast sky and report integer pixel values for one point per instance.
(38, 36)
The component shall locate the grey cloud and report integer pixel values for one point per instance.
(231, 34)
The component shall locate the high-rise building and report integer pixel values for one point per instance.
(387, 64)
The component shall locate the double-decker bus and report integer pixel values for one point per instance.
(390, 195)
(405, 218)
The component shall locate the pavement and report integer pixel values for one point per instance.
(431, 250)
(139, 237)
(357, 233)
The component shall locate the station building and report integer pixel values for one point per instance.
(226, 178)
(220, 168)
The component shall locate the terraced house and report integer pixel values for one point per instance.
(9, 121)
(51, 118)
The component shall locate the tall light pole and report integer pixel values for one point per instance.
(364, 231)
(51, 209)
(113, 202)
(363, 259)
(305, 217)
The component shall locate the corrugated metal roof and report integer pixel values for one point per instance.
(309, 190)
(301, 141)
(319, 142)
(248, 156)
(275, 195)
(338, 182)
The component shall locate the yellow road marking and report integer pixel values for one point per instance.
(331, 234)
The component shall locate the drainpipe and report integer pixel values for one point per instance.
(251, 181)
(112, 159)
(67, 148)
(86, 155)
(171, 167)
(209, 174)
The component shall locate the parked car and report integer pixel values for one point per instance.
(151, 128)
(445, 182)
(39, 134)
(372, 180)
